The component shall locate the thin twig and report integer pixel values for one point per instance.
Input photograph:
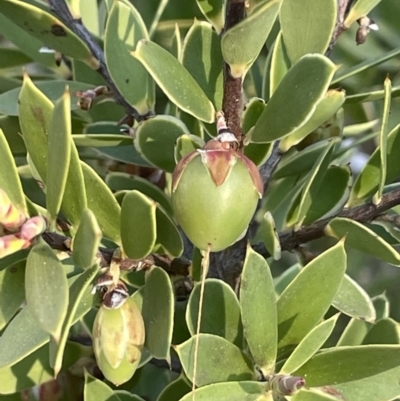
(60, 8)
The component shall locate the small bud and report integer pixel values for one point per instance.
(118, 338)
(11, 243)
(282, 385)
(10, 217)
(33, 227)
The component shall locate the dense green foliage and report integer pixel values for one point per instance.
(101, 293)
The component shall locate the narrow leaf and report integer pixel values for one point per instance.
(322, 277)
(267, 232)
(214, 11)
(360, 9)
(58, 154)
(304, 85)
(175, 81)
(259, 313)
(158, 313)
(280, 64)
(362, 238)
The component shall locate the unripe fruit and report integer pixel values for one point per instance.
(118, 337)
(215, 191)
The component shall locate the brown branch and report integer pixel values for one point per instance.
(60, 8)
(232, 102)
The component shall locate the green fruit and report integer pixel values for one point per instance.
(214, 195)
(118, 338)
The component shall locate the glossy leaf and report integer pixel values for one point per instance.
(352, 300)
(174, 80)
(138, 225)
(319, 18)
(202, 57)
(259, 313)
(158, 313)
(214, 11)
(230, 391)
(218, 360)
(383, 141)
(367, 181)
(125, 28)
(242, 43)
(220, 311)
(58, 154)
(327, 203)
(48, 29)
(360, 9)
(322, 277)
(280, 64)
(155, 140)
(35, 118)
(186, 144)
(46, 288)
(352, 378)
(324, 110)
(97, 390)
(87, 240)
(11, 278)
(362, 238)
(311, 187)
(310, 344)
(9, 179)
(77, 290)
(121, 181)
(305, 85)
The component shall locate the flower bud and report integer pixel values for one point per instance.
(33, 227)
(118, 337)
(10, 217)
(12, 243)
(215, 191)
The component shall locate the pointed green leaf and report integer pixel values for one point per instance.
(322, 277)
(352, 300)
(324, 110)
(220, 311)
(124, 29)
(77, 291)
(155, 140)
(259, 314)
(119, 181)
(202, 57)
(218, 360)
(168, 234)
(58, 154)
(97, 390)
(310, 344)
(174, 80)
(319, 18)
(11, 278)
(87, 240)
(364, 373)
(311, 187)
(354, 333)
(383, 141)
(385, 331)
(360, 9)
(36, 112)
(158, 313)
(52, 89)
(367, 181)
(305, 85)
(371, 96)
(102, 203)
(230, 391)
(101, 140)
(46, 288)
(48, 29)
(186, 144)
(327, 203)
(214, 11)
(242, 43)
(138, 224)
(362, 238)
(280, 64)
(9, 179)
